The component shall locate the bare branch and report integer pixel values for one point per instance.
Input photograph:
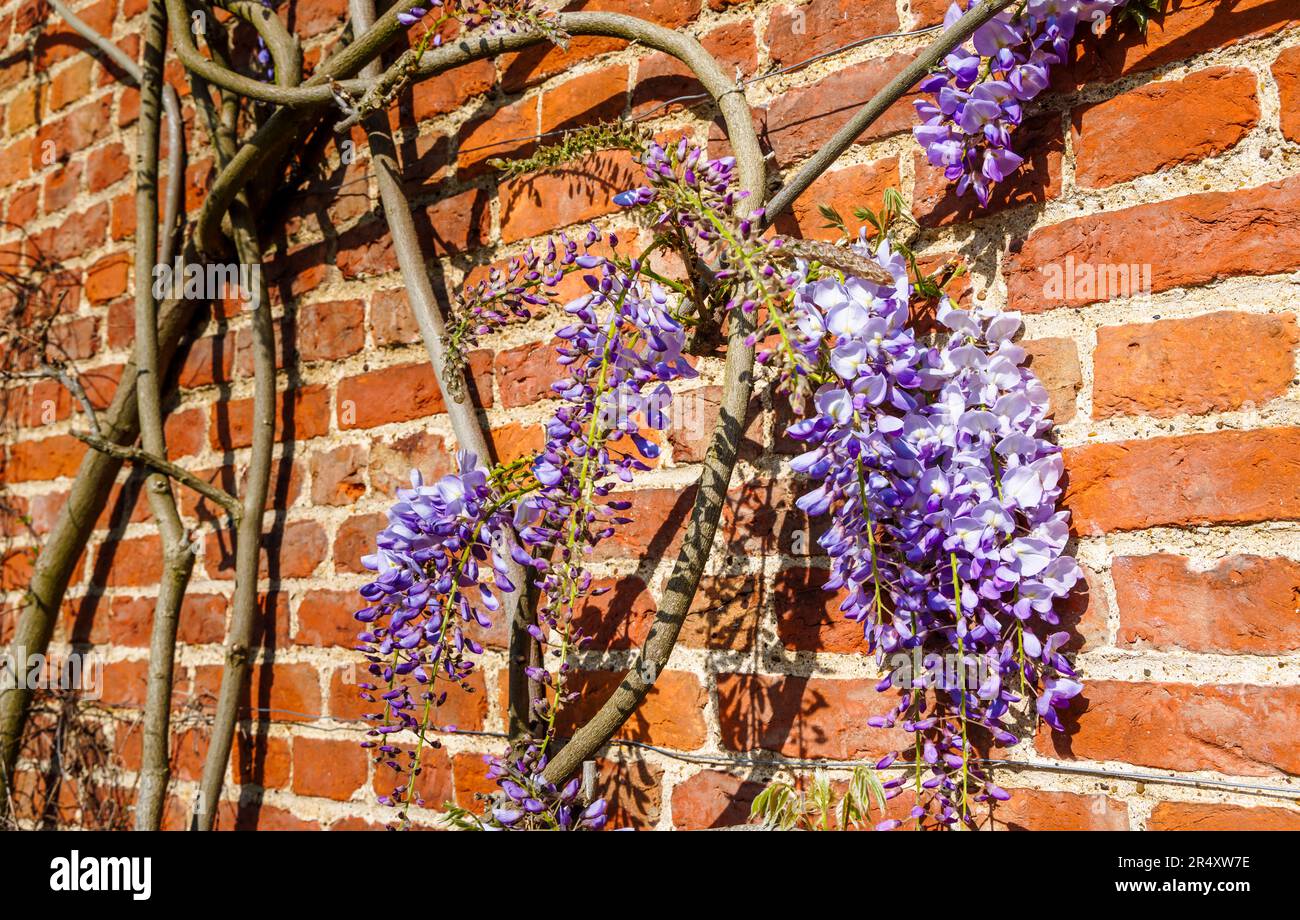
(171, 470)
(314, 92)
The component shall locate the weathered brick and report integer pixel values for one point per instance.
(1159, 125)
(713, 799)
(1199, 816)
(1228, 477)
(799, 120)
(1038, 810)
(844, 190)
(300, 414)
(325, 618)
(1209, 363)
(1245, 604)
(1216, 235)
(367, 400)
(798, 32)
(1286, 70)
(331, 769)
(534, 204)
(1055, 362)
(671, 714)
(803, 716)
(1181, 727)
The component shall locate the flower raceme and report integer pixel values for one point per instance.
(978, 97)
(941, 489)
(439, 563)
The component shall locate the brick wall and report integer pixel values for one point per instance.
(1178, 408)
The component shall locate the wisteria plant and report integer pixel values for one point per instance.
(928, 454)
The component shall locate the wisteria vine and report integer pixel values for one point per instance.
(930, 455)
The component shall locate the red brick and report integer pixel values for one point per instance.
(1036, 810)
(1197, 816)
(186, 433)
(658, 523)
(1055, 362)
(1160, 125)
(795, 33)
(130, 620)
(800, 120)
(621, 617)
(671, 715)
(203, 619)
(330, 769)
(537, 64)
(292, 551)
(391, 319)
(1216, 235)
(1286, 70)
(325, 618)
(525, 373)
(107, 166)
(253, 815)
(535, 204)
(445, 93)
(1209, 363)
(465, 710)
(845, 190)
(434, 785)
(634, 790)
(1228, 477)
(336, 475)
(1225, 728)
(329, 331)
(803, 716)
(279, 693)
(713, 799)
(260, 761)
(515, 440)
(130, 563)
(460, 223)
(62, 186)
(809, 617)
(1245, 604)
(356, 538)
(662, 78)
(391, 461)
(498, 135)
(600, 95)
(1186, 28)
(723, 614)
(301, 414)
(366, 401)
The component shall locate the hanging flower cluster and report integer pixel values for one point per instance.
(941, 488)
(622, 349)
(438, 569)
(978, 97)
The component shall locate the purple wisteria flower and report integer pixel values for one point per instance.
(978, 97)
(941, 489)
(438, 572)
